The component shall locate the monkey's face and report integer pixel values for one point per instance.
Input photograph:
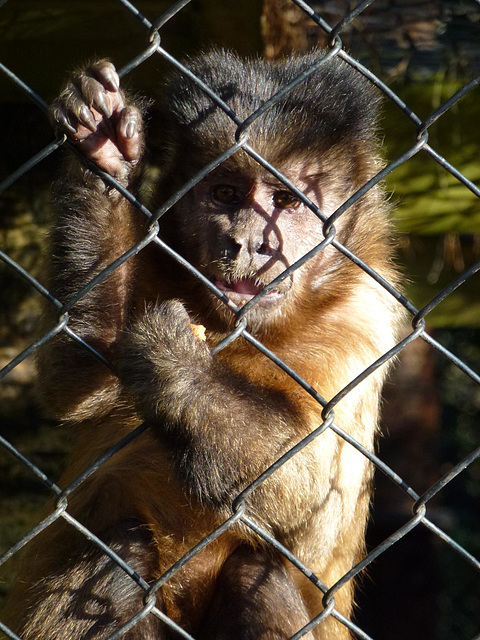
(242, 228)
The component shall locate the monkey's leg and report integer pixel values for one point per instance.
(88, 595)
(255, 599)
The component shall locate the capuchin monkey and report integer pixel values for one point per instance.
(215, 419)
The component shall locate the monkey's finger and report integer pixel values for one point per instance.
(60, 121)
(96, 96)
(101, 86)
(173, 316)
(105, 72)
(129, 122)
(69, 110)
(129, 133)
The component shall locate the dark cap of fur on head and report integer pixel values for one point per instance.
(333, 103)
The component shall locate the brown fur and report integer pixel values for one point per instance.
(215, 422)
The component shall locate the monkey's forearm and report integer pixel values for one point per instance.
(82, 245)
(222, 430)
(87, 218)
(220, 442)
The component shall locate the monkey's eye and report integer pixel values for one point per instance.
(286, 200)
(225, 194)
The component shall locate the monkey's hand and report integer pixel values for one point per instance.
(161, 359)
(94, 112)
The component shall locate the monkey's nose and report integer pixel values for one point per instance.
(231, 248)
(235, 247)
(264, 249)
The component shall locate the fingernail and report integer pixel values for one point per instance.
(86, 117)
(130, 129)
(65, 124)
(103, 106)
(111, 80)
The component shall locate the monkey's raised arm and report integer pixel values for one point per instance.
(94, 225)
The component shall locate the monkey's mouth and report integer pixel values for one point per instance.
(243, 290)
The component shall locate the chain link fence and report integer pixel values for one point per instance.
(420, 499)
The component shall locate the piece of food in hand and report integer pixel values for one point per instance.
(199, 332)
